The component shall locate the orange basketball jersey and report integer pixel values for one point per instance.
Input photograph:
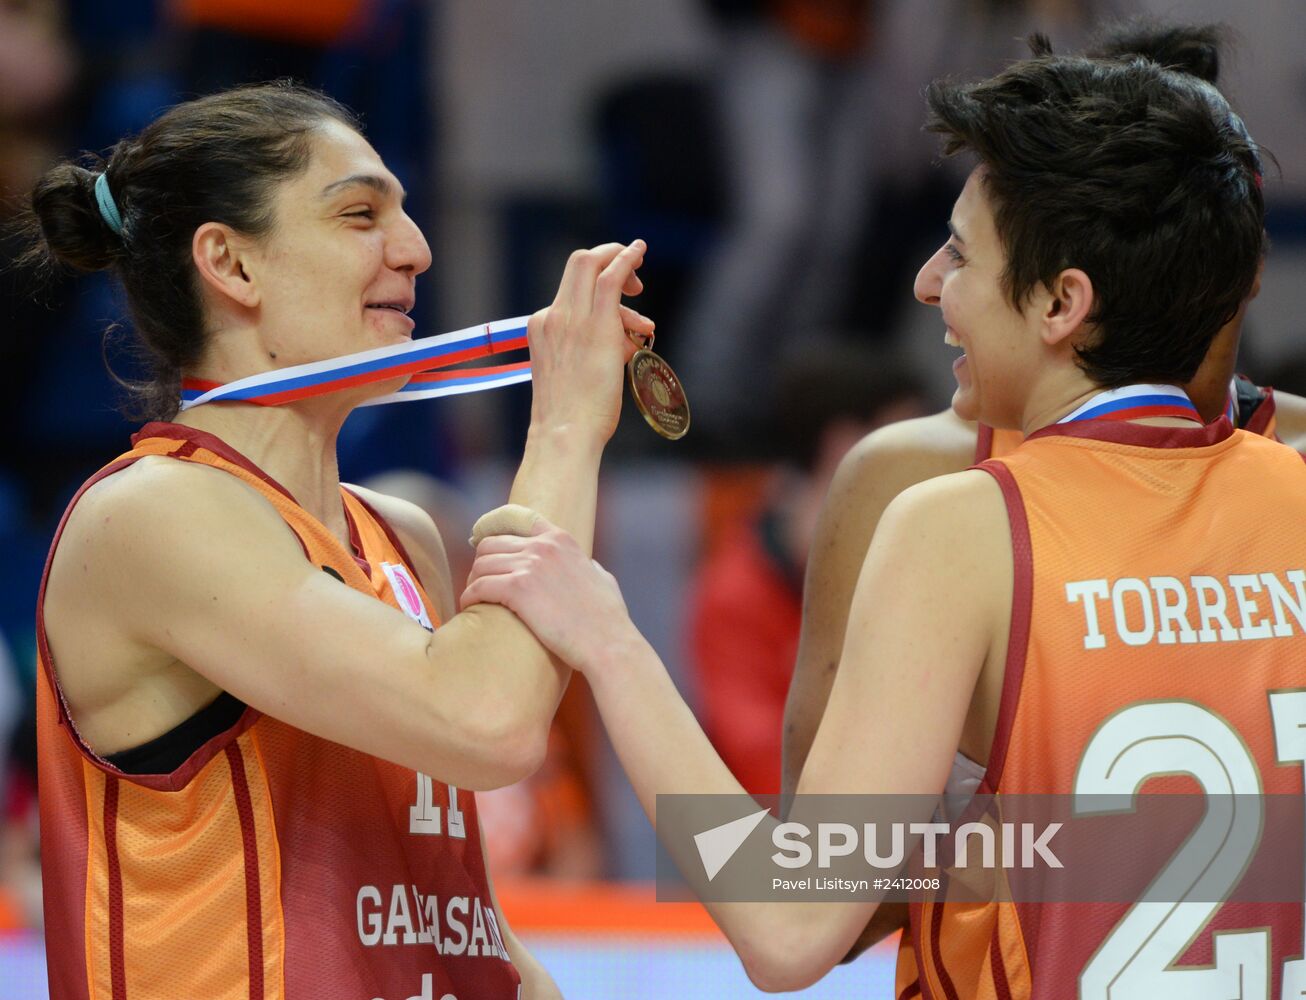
(271, 863)
(1158, 619)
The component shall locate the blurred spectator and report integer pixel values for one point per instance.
(13, 706)
(661, 175)
(20, 864)
(913, 192)
(37, 71)
(828, 175)
(746, 602)
(241, 41)
(36, 68)
(798, 142)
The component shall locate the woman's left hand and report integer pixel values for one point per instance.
(571, 603)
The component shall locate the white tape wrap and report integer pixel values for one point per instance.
(510, 519)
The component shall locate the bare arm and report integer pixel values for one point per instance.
(576, 395)
(929, 611)
(241, 607)
(872, 474)
(575, 399)
(536, 691)
(881, 466)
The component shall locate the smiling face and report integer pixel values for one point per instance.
(1001, 344)
(336, 274)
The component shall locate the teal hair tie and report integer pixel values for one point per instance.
(108, 210)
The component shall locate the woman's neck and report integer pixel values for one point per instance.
(1055, 393)
(1060, 394)
(294, 444)
(1123, 405)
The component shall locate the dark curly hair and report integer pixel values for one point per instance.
(1132, 167)
(215, 159)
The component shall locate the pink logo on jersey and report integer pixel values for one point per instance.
(408, 594)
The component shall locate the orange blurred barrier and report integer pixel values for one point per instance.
(11, 917)
(319, 22)
(613, 909)
(732, 495)
(549, 906)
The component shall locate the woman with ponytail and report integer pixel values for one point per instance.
(261, 721)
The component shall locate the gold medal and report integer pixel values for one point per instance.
(658, 393)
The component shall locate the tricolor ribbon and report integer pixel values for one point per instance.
(422, 359)
(1133, 402)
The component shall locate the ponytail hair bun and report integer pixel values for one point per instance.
(71, 230)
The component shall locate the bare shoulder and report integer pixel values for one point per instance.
(892, 458)
(145, 554)
(128, 529)
(1290, 418)
(419, 535)
(409, 520)
(939, 434)
(971, 497)
(910, 451)
(876, 470)
(145, 505)
(960, 518)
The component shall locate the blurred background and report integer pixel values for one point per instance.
(770, 153)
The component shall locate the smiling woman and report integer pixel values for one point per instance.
(340, 263)
(213, 161)
(258, 713)
(1054, 621)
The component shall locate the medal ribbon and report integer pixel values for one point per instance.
(1132, 402)
(422, 359)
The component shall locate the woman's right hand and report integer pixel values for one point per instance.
(579, 346)
(571, 603)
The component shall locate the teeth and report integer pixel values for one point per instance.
(950, 339)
